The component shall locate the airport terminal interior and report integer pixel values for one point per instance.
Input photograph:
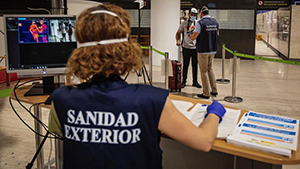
(264, 86)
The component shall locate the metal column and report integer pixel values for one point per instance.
(58, 153)
(223, 80)
(57, 6)
(166, 70)
(150, 63)
(38, 139)
(233, 98)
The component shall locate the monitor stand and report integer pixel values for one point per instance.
(45, 88)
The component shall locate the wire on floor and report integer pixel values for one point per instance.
(29, 110)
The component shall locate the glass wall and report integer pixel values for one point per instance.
(145, 18)
(273, 26)
(234, 19)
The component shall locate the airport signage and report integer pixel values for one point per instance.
(272, 4)
(186, 4)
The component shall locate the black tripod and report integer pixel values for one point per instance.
(29, 165)
(143, 70)
(142, 73)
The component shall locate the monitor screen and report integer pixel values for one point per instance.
(38, 45)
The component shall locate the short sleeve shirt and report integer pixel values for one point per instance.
(187, 42)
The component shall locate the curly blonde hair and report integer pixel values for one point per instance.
(104, 60)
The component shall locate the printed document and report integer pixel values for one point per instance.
(226, 127)
(272, 133)
(196, 115)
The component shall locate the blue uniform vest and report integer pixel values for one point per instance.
(109, 124)
(208, 39)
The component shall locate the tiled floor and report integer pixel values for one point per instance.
(266, 87)
(279, 44)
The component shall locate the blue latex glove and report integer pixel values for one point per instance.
(217, 109)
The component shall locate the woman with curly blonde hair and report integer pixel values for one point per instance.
(115, 58)
(106, 122)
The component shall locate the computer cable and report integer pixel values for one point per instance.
(27, 125)
(36, 104)
(44, 125)
(20, 118)
(39, 9)
(17, 99)
(29, 165)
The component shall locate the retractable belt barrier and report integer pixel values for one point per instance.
(145, 47)
(261, 58)
(155, 50)
(166, 54)
(233, 98)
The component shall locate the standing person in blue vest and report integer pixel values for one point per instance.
(188, 47)
(206, 34)
(106, 122)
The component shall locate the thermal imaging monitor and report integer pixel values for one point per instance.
(38, 45)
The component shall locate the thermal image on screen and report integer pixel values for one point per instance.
(33, 31)
(45, 30)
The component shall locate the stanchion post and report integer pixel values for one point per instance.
(166, 70)
(234, 66)
(268, 40)
(223, 80)
(223, 63)
(150, 63)
(233, 98)
(271, 38)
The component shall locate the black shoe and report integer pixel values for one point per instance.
(183, 85)
(202, 96)
(196, 84)
(214, 94)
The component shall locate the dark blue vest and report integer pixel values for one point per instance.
(109, 124)
(208, 39)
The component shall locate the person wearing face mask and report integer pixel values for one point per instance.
(188, 47)
(206, 35)
(108, 123)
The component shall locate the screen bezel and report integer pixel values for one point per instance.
(32, 72)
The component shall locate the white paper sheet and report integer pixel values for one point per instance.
(183, 106)
(226, 127)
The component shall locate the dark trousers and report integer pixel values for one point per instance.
(187, 55)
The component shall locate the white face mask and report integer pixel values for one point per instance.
(193, 18)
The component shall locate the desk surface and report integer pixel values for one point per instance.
(222, 146)
(219, 145)
(29, 99)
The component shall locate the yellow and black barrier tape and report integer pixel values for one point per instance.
(261, 58)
